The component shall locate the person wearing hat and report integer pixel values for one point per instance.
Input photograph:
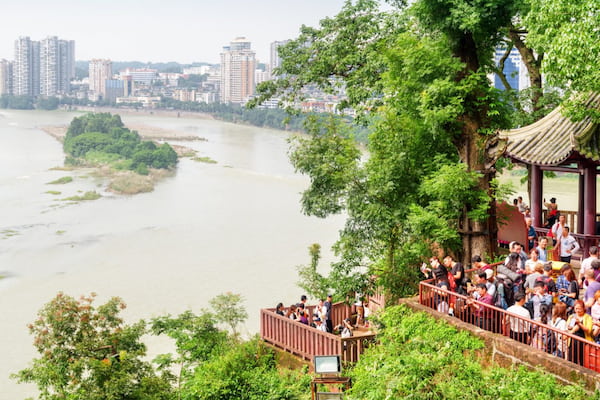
(319, 325)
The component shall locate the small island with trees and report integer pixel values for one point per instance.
(102, 141)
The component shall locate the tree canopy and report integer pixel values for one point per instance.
(104, 134)
(418, 75)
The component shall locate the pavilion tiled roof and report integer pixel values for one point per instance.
(554, 138)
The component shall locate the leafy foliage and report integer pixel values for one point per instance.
(420, 357)
(229, 310)
(246, 372)
(88, 352)
(103, 136)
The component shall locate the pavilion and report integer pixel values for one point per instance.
(556, 143)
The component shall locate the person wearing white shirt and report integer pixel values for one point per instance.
(568, 245)
(519, 328)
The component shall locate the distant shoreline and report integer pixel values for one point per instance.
(143, 111)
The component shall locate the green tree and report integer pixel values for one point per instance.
(424, 68)
(197, 340)
(88, 352)
(247, 371)
(229, 310)
(567, 33)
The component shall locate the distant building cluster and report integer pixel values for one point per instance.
(46, 68)
(40, 68)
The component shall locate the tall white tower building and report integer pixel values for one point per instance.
(25, 64)
(238, 63)
(275, 60)
(45, 67)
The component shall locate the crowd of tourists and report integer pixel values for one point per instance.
(320, 316)
(526, 286)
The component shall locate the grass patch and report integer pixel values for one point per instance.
(86, 196)
(8, 233)
(60, 232)
(206, 160)
(61, 181)
(54, 192)
(131, 183)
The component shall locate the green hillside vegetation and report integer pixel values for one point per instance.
(89, 352)
(420, 357)
(102, 138)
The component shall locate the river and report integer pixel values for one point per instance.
(211, 228)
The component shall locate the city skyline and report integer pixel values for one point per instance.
(183, 31)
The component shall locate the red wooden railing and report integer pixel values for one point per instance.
(493, 319)
(306, 341)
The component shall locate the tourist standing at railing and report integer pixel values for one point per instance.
(279, 309)
(536, 299)
(328, 306)
(552, 212)
(579, 324)
(587, 264)
(291, 312)
(521, 205)
(541, 248)
(539, 334)
(559, 322)
(557, 227)
(482, 313)
(519, 327)
(319, 325)
(590, 291)
(477, 262)
(595, 314)
(568, 245)
(458, 272)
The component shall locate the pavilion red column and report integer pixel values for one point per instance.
(581, 203)
(536, 195)
(589, 207)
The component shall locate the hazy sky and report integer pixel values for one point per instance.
(159, 30)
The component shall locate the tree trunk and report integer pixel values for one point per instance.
(478, 237)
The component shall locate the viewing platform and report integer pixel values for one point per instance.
(306, 341)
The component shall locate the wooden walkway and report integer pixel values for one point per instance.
(306, 342)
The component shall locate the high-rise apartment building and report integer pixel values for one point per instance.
(275, 60)
(23, 67)
(100, 72)
(238, 63)
(5, 77)
(45, 67)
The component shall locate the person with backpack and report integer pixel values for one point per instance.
(458, 274)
